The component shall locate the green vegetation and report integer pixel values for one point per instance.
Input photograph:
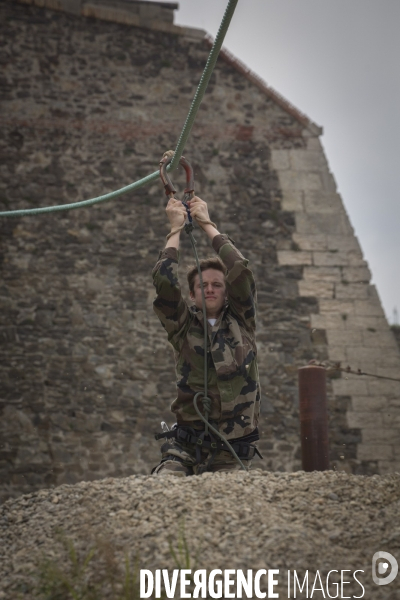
(88, 575)
(97, 572)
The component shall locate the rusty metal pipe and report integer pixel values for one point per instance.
(313, 418)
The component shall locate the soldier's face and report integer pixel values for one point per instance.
(214, 291)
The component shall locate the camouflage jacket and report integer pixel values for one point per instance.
(233, 382)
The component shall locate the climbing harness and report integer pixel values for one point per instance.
(201, 88)
(206, 439)
(243, 447)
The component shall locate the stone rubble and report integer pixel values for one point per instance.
(256, 520)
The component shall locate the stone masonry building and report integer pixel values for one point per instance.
(92, 94)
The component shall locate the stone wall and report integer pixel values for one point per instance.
(158, 16)
(89, 105)
(396, 332)
(350, 312)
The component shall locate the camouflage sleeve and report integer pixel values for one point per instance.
(169, 305)
(240, 284)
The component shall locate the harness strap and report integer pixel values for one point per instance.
(244, 449)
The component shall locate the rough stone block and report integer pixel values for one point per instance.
(349, 385)
(283, 244)
(318, 337)
(352, 290)
(300, 180)
(344, 243)
(331, 259)
(328, 181)
(359, 356)
(383, 339)
(375, 452)
(391, 417)
(292, 200)
(340, 307)
(364, 322)
(388, 359)
(374, 293)
(323, 289)
(317, 223)
(343, 338)
(363, 419)
(294, 258)
(369, 308)
(314, 144)
(193, 32)
(321, 273)
(388, 435)
(280, 159)
(307, 160)
(311, 242)
(356, 274)
(337, 353)
(328, 321)
(108, 13)
(322, 202)
(150, 11)
(369, 403)
(382, 386)
(355, 260)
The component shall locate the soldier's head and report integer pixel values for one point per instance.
(213, 273)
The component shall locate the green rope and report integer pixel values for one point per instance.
(218, 433)
(46, 209)
(208, 69)
(205, 399)
(205, 78)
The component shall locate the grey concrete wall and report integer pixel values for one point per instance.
(88, 106)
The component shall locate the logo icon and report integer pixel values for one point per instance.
(380, 566)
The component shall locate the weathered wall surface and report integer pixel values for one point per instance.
(350, 311)
(88, 106)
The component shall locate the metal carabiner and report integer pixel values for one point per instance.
(170, 190)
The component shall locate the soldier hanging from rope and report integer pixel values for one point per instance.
(233, 381)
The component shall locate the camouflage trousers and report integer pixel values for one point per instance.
(181, 459)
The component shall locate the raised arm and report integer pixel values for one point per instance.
(176, 214)
(240, 285)
(169, 305)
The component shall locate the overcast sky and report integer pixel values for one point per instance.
(336, 61)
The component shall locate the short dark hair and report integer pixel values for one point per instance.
(206, 263)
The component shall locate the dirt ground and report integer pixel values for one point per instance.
(298, 522)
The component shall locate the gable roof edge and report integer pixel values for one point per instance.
(250, 75)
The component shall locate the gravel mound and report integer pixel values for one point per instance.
(299, 521)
